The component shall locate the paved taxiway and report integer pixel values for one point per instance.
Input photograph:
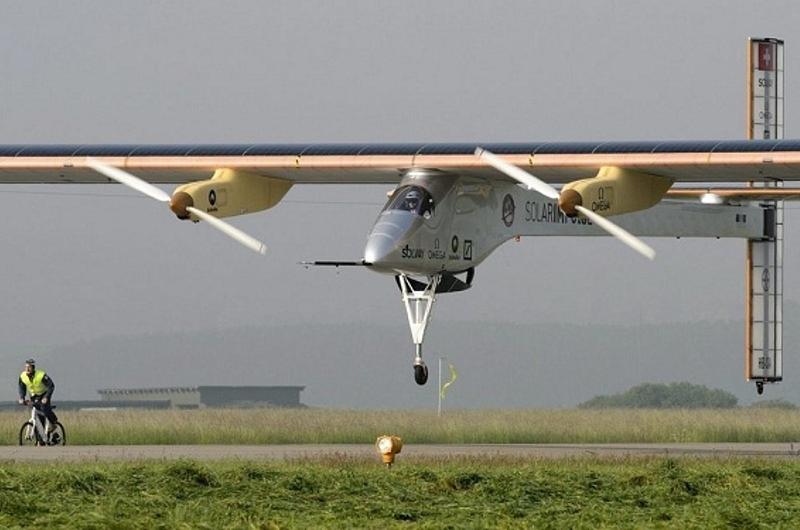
(93, 453)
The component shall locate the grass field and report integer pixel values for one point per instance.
(268, 426)
(438, 494)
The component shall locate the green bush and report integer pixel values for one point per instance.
(665, 396)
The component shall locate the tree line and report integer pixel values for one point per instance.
(682, 395)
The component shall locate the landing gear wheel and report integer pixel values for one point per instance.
(421, 373)
(759, 387)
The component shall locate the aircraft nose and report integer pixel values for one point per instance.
(386, 236)
(379, 246)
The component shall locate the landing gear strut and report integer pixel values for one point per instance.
(418, 304)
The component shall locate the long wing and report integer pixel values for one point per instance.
(686, 161)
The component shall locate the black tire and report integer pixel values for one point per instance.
(420, 374)
(58, 436)
(23, 434)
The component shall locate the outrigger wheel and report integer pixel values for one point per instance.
(420, 372)
(759, 387)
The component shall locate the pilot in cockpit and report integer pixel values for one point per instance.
(411, 201)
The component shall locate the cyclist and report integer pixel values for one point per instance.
(39, 385)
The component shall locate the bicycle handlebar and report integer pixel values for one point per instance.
(29, 402)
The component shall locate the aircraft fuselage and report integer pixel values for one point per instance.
(435, 222)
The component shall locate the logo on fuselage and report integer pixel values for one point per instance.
(436, 253)
(412, 253)
(212, 201)
(508, 210)
(603, 201)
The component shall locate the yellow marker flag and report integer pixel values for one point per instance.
(453, 377)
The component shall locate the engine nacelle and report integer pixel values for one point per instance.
(229, 192)
(614, 191)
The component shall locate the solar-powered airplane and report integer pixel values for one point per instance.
(453, 204)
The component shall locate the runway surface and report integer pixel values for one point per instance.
(96, 453)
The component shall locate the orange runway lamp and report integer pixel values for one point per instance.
(388, 446)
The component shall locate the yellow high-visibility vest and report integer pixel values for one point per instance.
(36, 386)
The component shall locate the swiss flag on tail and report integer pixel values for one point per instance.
(766, 56)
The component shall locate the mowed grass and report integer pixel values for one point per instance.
(582, 493)
(295, 426)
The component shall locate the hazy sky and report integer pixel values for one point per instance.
(81, 263)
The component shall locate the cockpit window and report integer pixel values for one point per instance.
(412, 199)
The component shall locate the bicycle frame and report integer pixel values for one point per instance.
(39, 427)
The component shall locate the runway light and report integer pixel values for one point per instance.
(388, 446)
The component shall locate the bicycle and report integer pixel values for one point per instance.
(34, 431)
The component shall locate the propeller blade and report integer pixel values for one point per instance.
(620, 233)
(547, 190)
(520, 175)
(231, 231)
(123, 177)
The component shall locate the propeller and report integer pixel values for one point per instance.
(520, 175)
(538, 185)
(123, 177)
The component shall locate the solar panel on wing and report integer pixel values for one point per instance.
(219, 150)
(390, 149)
(626, 147)
(162, 150)
(105, 150)
(275, 150)
(48, 150)
(332, 149)
(512, 148)
(688, 146)
(557, 148)
(738, 146)
(448, 149)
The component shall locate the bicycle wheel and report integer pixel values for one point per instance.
(58, 436)
(27, 434)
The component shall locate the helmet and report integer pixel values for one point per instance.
(31, 361)
(412, 199)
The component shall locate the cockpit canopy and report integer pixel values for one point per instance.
(412, 199)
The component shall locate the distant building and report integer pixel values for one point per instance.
(209, 396)
(93, 405)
